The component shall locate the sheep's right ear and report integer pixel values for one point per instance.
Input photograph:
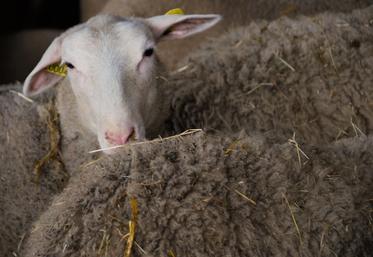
(167, 27)
(40, 79)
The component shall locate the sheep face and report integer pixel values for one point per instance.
(112, 72)
(112, 69)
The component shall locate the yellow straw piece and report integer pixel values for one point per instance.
(177, 11)
(57, 69)
(132, 227)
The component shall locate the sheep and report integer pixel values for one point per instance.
(216, 196)
(114, 92)
(139, 102)
(330, 190)
(118, 133)
(310, 77)
(237, 13)
(24, 140)
(227, 193)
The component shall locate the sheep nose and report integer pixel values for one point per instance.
(120, 138)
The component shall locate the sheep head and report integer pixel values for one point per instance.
(112, 69)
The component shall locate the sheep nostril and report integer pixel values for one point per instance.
(119, 138)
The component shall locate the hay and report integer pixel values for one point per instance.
(171, 253)
(300, 152)
(285, 62)
(242, 195)
(132, 228)
(22, 96)
(293, 218)
(104, 245)
(53, 154)
(158, 140)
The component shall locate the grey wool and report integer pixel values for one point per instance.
(283, 166)
(24, 195)
(309, 76)
(203, 196)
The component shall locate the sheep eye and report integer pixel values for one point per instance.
(69, 65)
(149, 52)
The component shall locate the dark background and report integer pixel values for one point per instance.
(27, 28)
(32, 14)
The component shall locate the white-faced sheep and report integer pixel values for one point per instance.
(114, 91)
(213, 195)
(113, 72)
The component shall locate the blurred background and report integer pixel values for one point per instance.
(27, 27)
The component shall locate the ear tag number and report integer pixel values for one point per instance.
(57, 69)
(176, 11)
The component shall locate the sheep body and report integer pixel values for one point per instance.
(197, 191)
(24, 140)
(310, 76)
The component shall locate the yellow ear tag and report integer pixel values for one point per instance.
(57, 69)
(175, 11)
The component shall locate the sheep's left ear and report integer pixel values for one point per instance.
(39, 79)
(180, 26)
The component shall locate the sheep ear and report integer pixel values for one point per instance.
(40, 79)
(180, 26)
